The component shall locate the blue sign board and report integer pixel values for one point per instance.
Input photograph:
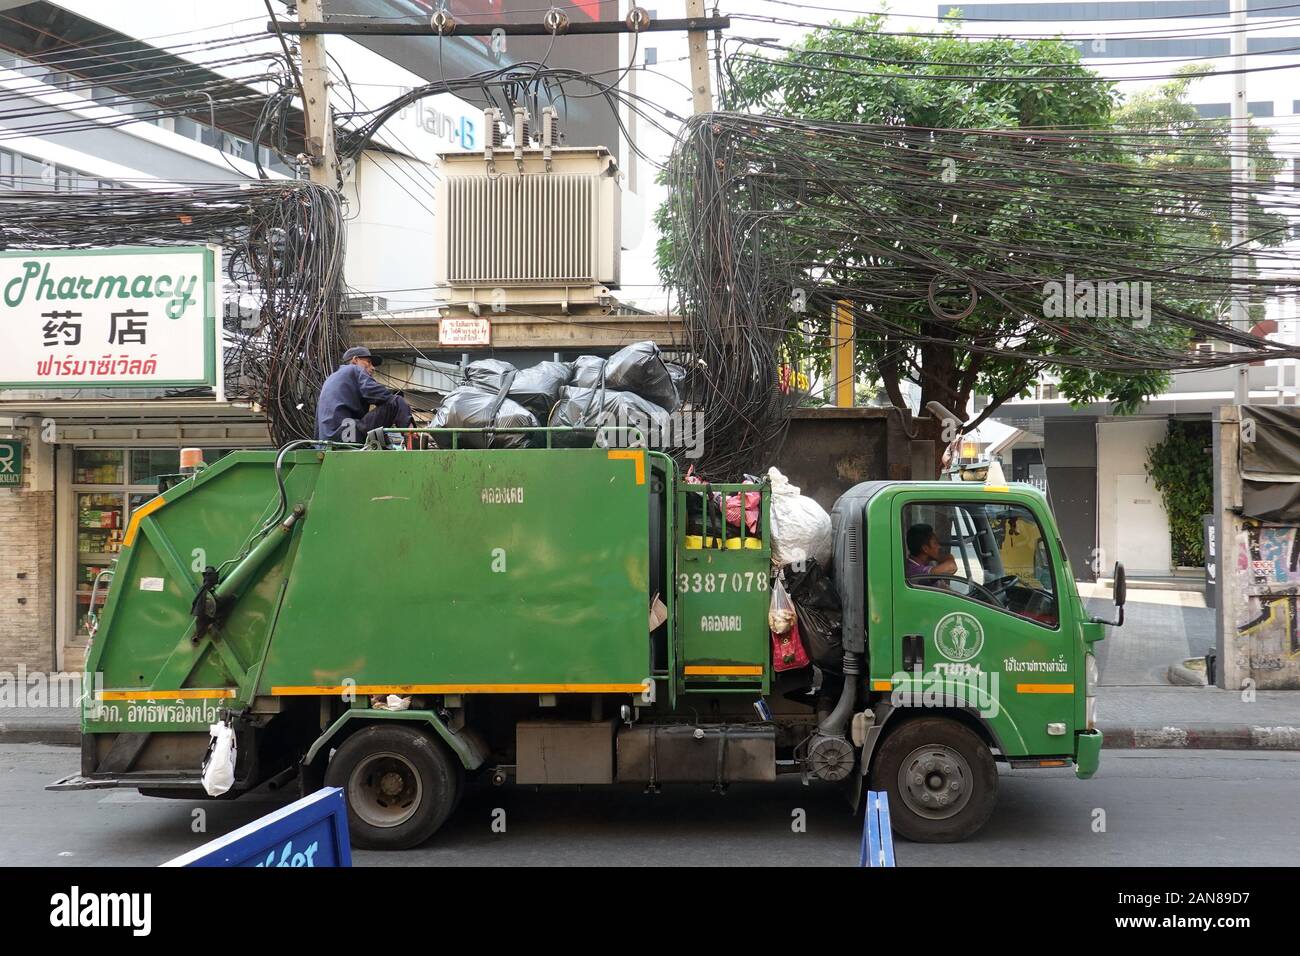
(312, 831)
(877, 834)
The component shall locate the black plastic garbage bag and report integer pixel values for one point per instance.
(536, 388)
(490, 374)
(587, 371)
(636, 368)
(677, 373)
(615, 413)
(472, 407)
(817, 605)
(641, 369)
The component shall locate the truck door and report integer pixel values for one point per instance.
(975, 599)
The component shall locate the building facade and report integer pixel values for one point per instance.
(84, 105)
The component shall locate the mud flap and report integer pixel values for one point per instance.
(854, 790)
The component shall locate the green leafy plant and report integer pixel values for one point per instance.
(906, 82)
(1183, 472)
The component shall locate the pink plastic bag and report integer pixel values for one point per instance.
(753, 506)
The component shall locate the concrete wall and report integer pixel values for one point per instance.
(391, 235)
(829, 450)
(1257, 632)
(26, 559)
(1132, 524)
(1070, 451)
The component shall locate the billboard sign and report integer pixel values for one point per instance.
(126, 317)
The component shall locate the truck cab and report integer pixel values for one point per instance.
(987, 657)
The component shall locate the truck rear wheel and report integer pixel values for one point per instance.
(400, 785)
(941, 779)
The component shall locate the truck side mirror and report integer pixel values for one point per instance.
(1120, 587)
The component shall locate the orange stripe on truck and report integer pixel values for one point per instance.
(188, 693)
(148, 508)
(336, 689)
(1044, 688)
(636, 455)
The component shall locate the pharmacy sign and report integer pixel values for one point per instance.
(127, 317)
(11, 462)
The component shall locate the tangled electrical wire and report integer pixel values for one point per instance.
(283, 246)
(954, 246)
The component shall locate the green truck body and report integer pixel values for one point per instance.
(509, 597)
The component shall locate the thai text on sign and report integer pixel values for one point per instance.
(109, 317)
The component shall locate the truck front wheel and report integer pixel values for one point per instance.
(941, 779)
(400, 785)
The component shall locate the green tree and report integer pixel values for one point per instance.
(1204, 146)
(1182, 469)
(818, 80)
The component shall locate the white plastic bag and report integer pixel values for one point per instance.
(801, 528)
(780, 610)
(219, 762)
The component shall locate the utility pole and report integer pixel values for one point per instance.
(318, 123)
(633, 160)
(701, 82)
(1240, 172)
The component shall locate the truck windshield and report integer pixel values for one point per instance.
(989, 552)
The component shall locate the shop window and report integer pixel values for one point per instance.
(101, 523)
(148, 463)
(98, 466)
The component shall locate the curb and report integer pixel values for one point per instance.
(1202, 737)
(1191, 585)
(55, 735)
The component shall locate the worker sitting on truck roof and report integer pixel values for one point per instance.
(923, 557)
(343, 411)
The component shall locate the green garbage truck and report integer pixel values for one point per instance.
(401, 623)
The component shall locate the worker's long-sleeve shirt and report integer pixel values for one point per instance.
(347, 394)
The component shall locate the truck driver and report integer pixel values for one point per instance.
(923, 557)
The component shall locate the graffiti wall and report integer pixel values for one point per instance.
(1257, 516)
(1268, 585)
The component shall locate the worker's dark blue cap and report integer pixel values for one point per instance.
(360, 351)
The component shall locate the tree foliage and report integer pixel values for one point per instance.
(865, 76)
(1182, 469)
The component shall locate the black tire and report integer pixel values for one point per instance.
(400, 783)
(940, 777)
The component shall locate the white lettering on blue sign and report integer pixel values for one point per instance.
(289, 858)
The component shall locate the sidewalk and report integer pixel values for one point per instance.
(1204, 718)
(40, 725)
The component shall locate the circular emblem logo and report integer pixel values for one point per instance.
(959, 636)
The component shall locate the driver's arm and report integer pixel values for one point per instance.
(945, 565)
